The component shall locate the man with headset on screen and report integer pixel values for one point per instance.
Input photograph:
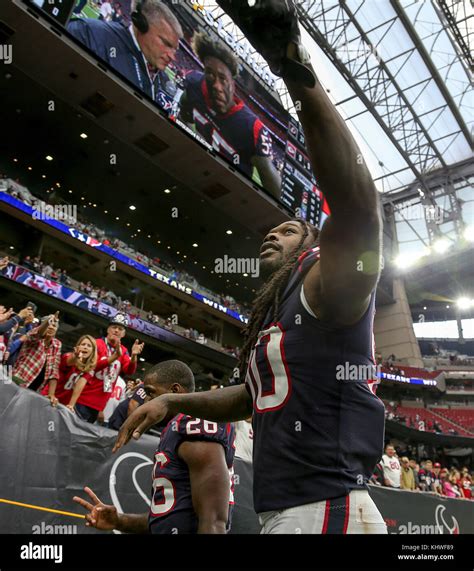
(140, 53)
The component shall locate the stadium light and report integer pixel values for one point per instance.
(441, 246)
(464, 303)
(404, 261)
(469, 233)
(132, 207)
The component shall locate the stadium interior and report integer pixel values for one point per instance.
(149, 217)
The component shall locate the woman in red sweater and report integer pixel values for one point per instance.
(76, 369)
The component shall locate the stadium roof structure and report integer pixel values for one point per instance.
(401, 74)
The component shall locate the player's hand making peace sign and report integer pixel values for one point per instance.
(100, 516)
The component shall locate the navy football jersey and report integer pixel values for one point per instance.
(119, 416)
(318, 428)
(239, 133)
(171, 507)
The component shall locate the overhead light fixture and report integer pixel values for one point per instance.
(83, 136)
(30, 168)
(167, 191)
(117, 218)
(15, 160)
(229, 232)
(132, 207)
(58, 185)
(246, 275)
(49, 158)
(195, 245)
(441, 245)
(149, 236)
(404, 261)
(43, 176)
(424, 308)
(448, 306)
(70, 191)
(139, 230)
(12, 247)
(469, 233)
(128, 223)
(106, 211)
(464, 303)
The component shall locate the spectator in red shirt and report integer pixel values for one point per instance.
(113, 360)
(76, 369)
(466, 484)
(437, 486)
(38, 361)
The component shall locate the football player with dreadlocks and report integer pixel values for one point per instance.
(317, 434)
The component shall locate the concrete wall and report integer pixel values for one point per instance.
(393, 329)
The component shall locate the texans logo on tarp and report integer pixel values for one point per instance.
(441, 522)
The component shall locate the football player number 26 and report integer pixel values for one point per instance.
(167, 489)
(269, 368)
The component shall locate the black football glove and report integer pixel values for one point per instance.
(270, 26)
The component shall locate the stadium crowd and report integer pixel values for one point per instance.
(109, 297)
(16, 190)
(398, 471)
(88, 380)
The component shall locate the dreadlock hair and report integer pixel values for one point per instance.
(268, 296)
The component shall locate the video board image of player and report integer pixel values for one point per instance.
(211, 106)
(139, 43)
(175, 54)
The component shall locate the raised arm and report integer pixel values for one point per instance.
(350, 239)
(224, 405)
(338, 288)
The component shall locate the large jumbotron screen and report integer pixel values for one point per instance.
(257, 136)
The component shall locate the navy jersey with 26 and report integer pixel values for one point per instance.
(171, 507)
